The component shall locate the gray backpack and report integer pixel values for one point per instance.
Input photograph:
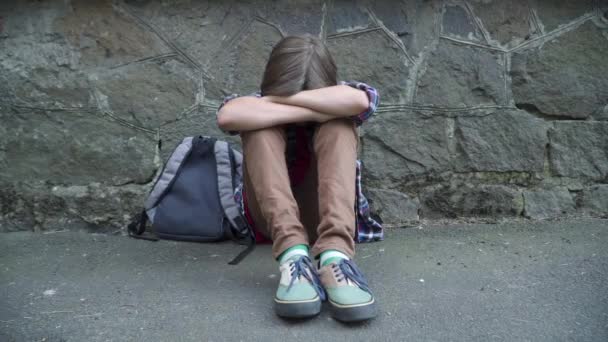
(193, 197)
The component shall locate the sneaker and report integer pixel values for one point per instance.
(300, 292)
(348, 294)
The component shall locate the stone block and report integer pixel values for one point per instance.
(601, 114)
(553, 14)
(148, 94)
(252, 55)
(401, 145)
(544, 204)
(38, 66)
(95, 207)
(561, 79)
(461, 76)
(468, 200)
(197, 122)
(413, 22)
(394, 207)
(104, 36)
(344, 15)
(199, 29)
(240, 68)
(507, 22)
(458, 22)
(579, 149)
(594, 200)
(392, 15)
(72, 148)
(507, 140)
(357, 58)
(295, 16)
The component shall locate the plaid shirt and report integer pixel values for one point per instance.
(368, 229)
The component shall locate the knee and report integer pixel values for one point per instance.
(270, 136)
(261, 133)
(337, 131)
(342, 126)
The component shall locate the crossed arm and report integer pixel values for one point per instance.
(317, 105)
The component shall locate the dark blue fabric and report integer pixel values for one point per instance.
(191, 209)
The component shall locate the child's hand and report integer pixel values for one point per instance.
(322, 117)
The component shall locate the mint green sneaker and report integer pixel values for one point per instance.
(348, 294)
(300, 293)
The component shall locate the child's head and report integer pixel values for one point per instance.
(298, 63)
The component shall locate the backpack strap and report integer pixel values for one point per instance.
(237, 159)
(138, 225)
(170, 170)
(226, 186)
(227, 167)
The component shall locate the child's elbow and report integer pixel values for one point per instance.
(224, 120)
(363, 103)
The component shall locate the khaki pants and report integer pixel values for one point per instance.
(318, 212)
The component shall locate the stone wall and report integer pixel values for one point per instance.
(489, 109)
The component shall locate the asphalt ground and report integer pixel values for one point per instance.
(530, 281)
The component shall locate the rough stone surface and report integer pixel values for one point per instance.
(147, 94)
(594, 200)
(343, 16)
(461, 76)
(507, 25)
(196, 122)
(601, 114)
(202, 33)
(239, 68)
(38, 68)
(394, 207)
(458, 22)
(466, 200)
(554, 14)
(295, 16)
(390, 68)
(199, 29)
(105, 36)
(91, 207)
(251, 56)
(579, 149)
(422, 16)
(72, 148)
(544, 204)
(478, 98)
(392, 15)
(503, 141)
(413, 22)
(402, 145)
(561, 79)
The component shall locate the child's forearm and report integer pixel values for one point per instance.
(338, 101)
(251, 113)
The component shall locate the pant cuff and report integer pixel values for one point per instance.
(317, 249)
(277, 249)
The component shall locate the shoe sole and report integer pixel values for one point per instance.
(299, 309)
(353, 313)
